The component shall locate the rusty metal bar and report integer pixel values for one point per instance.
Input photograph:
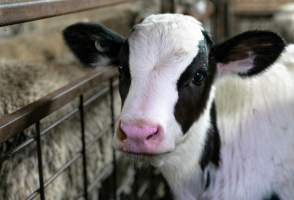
(14, 13)
(14, 123)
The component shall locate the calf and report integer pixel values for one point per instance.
(215, 119)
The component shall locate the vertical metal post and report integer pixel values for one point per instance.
(226, 19)
(112, 115)
(40, 161)
(84, 155)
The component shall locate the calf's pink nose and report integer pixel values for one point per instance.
(140, 137)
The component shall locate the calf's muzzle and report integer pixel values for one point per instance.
(139, 137)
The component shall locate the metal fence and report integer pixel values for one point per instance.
(14, 123)
(32, 114)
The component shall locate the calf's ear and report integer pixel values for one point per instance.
(248, 53)
(93, 44)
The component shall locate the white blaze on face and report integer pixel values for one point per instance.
(161, 48)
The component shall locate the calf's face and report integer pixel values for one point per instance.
(167, 68)
(161, 68)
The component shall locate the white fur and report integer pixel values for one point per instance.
(181, 167)
(255, 120)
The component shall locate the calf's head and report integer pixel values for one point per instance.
(167, 69)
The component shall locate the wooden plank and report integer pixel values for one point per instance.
(257, 6)
(14, 13)
(14, 123)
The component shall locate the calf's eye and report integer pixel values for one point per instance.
(199, 76)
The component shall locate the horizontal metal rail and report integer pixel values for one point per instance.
(56, 175)
(96, 183)
(67, 116)
(106, 171)
(14, 13)
(43, 132)
(14, 123)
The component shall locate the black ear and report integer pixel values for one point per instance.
(93, 44)
(248, 53)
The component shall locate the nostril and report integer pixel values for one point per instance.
(152, 136)
(121, 135)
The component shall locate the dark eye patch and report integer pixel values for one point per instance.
(199, 66)
(193, 96)
(124, 56)
(124, 71)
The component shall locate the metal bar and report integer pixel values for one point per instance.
(62, 169)
(112, 115)
(17, 149)
(14, 13)
(95, 139)
(101, 93)
(57, 174)
(14, 123)
(40, 162)
(59, 121)
(106, 171)
(33, 195)
(84, 155)
(43, 133)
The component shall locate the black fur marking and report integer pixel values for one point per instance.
(124, 72)
(273, 196)
(193, 97)
(207, 183)
(211, 151)
(207, 39)
(265, 46)
(82, 38)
